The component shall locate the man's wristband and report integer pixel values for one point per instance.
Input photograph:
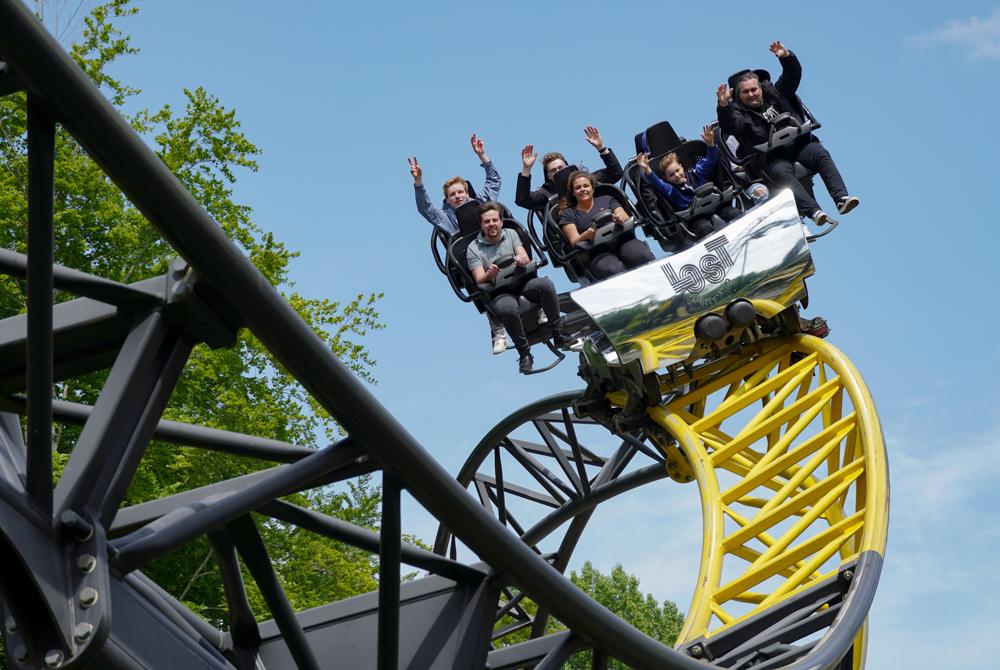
(603, 151)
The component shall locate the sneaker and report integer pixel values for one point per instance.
(499, 340)
(542, 318)
(847, 203)
(525, 363)
(819, 217)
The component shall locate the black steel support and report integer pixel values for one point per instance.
(243, 628)
(177, 432)
(41, 191)
(116, 434)
(369, 540)
(390, 551)
(254, 554)
(184, 524)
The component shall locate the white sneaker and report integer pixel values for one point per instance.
(499, 340)
(542, 319)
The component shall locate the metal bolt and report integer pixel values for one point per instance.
(696, 650)
(86, 563)
(848, 575)
(83, 631)
(21, 654)
(88, 597)
(11, 625)
(53, 658)
(77, 525)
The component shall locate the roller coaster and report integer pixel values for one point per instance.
(696, 372)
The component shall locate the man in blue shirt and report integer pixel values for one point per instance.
(456, 191)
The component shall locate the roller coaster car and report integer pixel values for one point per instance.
(511, 279)
(670, 227)
(610, 235)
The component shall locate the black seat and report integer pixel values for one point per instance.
(786, 130)
(668, 226)
(575, 259)
(511, 279)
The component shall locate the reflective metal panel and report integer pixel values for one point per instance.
(649, 313)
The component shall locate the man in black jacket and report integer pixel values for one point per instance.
(553, 162)
(748, 118)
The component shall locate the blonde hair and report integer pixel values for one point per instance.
(455, 180)
(666, 161)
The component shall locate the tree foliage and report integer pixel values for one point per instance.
(620, 593)
(240, 389)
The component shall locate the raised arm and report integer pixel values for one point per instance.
(612, 171)
(705, 166)
(491, 189)
(791, 70)
(524, 197)
(424, 206)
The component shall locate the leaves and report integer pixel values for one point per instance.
(240, 389)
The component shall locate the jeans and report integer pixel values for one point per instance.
(539, 290)
(815, 158)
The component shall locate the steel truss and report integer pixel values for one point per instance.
(72, 589)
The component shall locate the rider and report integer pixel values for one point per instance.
(456, 191)
(554, 161)
(678, 188)
(748, 118)
(577, 212)
(493, 242)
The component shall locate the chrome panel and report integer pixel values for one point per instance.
(648, 313)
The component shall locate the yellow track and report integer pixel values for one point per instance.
(788, 455)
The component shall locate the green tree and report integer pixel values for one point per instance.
(239, 389)
(619, 592)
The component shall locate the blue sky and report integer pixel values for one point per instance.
(337, 95)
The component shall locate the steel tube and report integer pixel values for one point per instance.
(41, 191)
(390, 550)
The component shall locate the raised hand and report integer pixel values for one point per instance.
(778, 49)
(478, 145)
(723, 94)
(416, 171)
(643, 161)
(528, 156)
(708, 135)
(594, 137)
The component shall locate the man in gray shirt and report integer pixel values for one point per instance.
(493, 242)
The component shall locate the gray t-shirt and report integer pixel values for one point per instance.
(582, 219)
(481, 255)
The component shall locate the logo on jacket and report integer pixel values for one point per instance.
(710, 269)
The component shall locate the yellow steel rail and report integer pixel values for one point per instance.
(789, 458)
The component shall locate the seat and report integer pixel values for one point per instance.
(786, 130)
(575, 259)
(510, 280)
(670, 227)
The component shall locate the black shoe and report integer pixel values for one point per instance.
(847, 203)
(525, 363)
(559, 338)
(819, 217)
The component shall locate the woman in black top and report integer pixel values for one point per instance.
(576, 215)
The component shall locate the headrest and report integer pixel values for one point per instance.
(468, 217)
(762, 75)
(661, 138)
(561, 179)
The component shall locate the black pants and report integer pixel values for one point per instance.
(538, 290)
(631, 254)
(815, 158)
